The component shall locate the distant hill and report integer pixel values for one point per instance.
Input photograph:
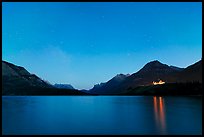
(64, 86)
(16, 80)
(152, 71)
(191, 73)
(109, 86)
(177, 68)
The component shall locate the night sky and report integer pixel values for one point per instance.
(87, 43)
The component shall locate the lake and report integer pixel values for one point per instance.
(101, 115)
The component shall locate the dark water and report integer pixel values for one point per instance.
(101, 115)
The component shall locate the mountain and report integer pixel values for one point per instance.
(152, 71)
(64, 86)
(177, 68)
(109, 86)
(191, 73)
(16, 80)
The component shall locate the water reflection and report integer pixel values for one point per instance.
(159, 111)
(101, 115)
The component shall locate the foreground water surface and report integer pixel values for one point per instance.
(101, 115)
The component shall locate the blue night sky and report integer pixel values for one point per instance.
(87, 43)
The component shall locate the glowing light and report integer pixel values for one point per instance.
(156, 110)
(158, 83)
(159, 111)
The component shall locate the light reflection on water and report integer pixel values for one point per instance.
(159, 111)
(120, 115)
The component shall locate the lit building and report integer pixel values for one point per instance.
(158, 83)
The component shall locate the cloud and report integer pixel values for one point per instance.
(48, 55)
(54, 54)
(50, 62)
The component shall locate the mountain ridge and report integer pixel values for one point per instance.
(18, 78)
(64, 86)
(152, 71)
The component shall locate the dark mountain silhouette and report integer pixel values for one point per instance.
(191, 73)
(84, 90)
(64, 86)
(109, 86)
(152, 71)
(177, 68)
(16, 76)
(16, 80)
